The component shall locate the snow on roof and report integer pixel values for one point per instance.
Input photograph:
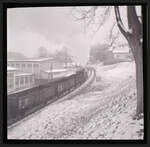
(11, 68)
(22, 74)
(31, 60)
(56, 70)
(121, 50)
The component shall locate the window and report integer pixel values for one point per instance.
(35, 65)
(10, 80)
(26, 80)
(21, 80)
(17, 81)
(10, 83)
(23, 66)
(29, 65)
(10, 75)
(31, 81)
(18, 65)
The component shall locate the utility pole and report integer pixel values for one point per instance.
(65, 54)
(51, 70)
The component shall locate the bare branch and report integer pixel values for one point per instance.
(120, 23)
(111, 30)
(90, 17)
(133, 22)
(114, 39)
(103, 18)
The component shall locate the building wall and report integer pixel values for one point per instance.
(24, 81)
(30, 67)
(35, 67)
(22, 66)
(10, 80)
(46, 65)
(122, 55)
(58, 65)
(16, 82)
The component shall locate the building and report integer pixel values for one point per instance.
(18, 80)
(24, 80)
(10, 78)
(34, 66)
(28, 72)
(122, 53)
(57, 73)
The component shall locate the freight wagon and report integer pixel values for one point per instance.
(23, 103)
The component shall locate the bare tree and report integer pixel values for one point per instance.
(90, 16)
(112, 38)
(42, 52)
(133, 36)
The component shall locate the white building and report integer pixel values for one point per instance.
(25, 73)
(35, 66)
(10, 78)
(24, 80)
(122, 53)
(57, 73)
(18, 80)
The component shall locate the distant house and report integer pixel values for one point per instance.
(57, 73)
(122, 53)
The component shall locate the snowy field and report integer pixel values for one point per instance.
(104, 110)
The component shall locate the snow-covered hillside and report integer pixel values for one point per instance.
(103, 110)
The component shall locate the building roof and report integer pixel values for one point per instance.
(11, 68)
(121, 50)
(19, 73)
(31, 60)
(56, 70)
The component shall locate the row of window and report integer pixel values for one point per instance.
(10, 75)
(23, 81)
(10, 83)
(23, 65)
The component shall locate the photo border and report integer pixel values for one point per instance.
(17, 4)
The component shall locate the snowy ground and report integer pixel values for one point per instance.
(104, 110)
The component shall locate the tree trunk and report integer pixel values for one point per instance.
(138, 56)
(134, 38)
(139, 81)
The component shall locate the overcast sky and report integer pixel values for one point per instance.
(30, 28)
(50, 27)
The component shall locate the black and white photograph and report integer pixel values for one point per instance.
(75, 73)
